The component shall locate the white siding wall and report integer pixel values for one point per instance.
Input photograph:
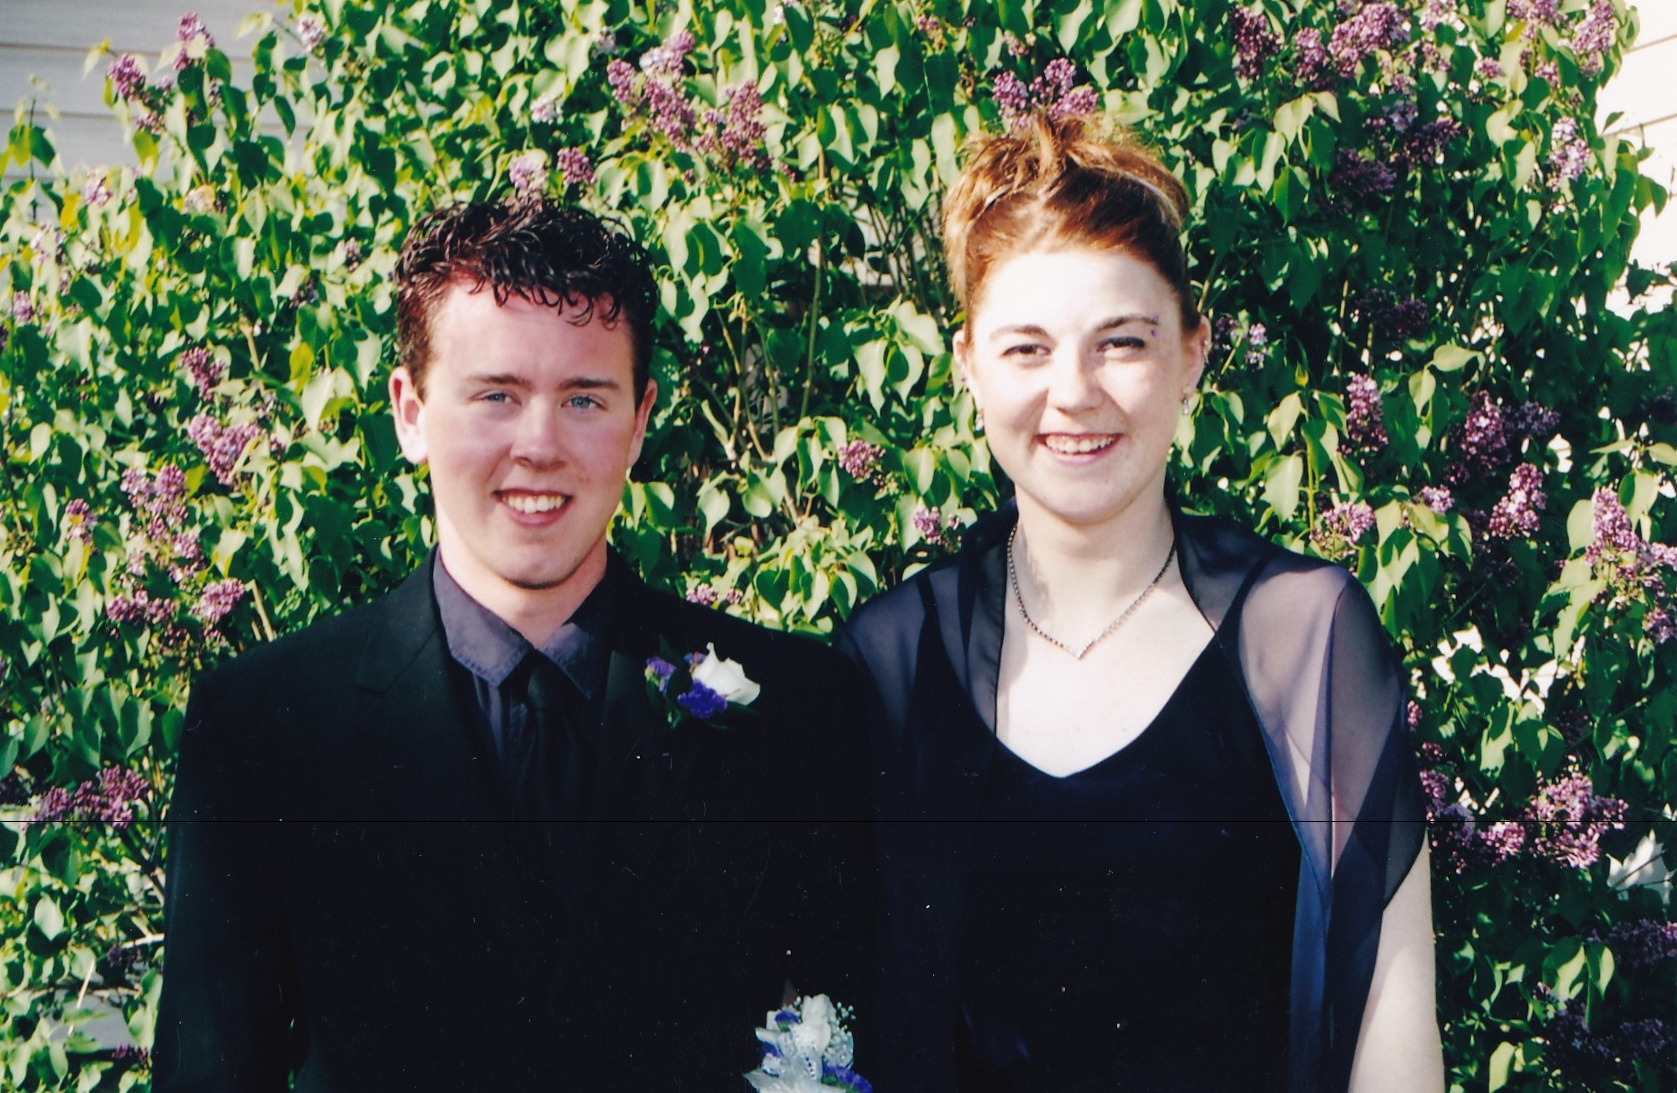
(1645, 93)
(50, 39)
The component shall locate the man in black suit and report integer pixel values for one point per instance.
(450, 840)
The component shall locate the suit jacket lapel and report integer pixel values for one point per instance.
(430, 760)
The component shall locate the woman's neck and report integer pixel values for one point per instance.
(1076, 579)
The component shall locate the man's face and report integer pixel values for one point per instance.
(529, 424)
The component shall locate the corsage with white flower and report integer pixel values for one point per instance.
(807, 1049)
(699, 686)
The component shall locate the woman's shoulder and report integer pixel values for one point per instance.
(1226, 558)
(888, 626)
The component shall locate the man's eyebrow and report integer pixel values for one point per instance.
(573, 383)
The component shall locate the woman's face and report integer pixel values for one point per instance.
(1078, 361)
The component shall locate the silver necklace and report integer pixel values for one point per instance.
(1077, 654)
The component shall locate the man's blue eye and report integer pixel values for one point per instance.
(584, 401)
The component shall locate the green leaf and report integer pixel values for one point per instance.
(1453, 358)
(48, 918)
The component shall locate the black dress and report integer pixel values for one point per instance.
(1305, 652)
(1097, 950)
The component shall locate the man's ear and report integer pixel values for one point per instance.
(643, 414)
(408, 408)
(962, 346)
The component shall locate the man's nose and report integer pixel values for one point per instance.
(540, 435)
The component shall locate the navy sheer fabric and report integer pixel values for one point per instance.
(1307, 654)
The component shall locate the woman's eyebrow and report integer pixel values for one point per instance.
(1125, 320)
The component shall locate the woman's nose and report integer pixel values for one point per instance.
(1071, 382)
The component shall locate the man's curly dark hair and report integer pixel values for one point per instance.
(550, 254)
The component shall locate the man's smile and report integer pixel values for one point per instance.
(532, 504)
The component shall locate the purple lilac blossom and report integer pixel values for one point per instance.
(664, 61)
(1364, 413)
(204, 369)
(739, 130)
(934, 527)
(1546, 12)
(702, 702)
(222, 445)
(1426, 143)
(1482, 439)
(1516, 515)
(1348, 521)
(528, 173)
(545, 110)
(132, 1054)
(574, 166)
(1361, 175)
(352, 253)
(1016, 47)
(218, 599)
(1659, 625)
(704, 595)
(1437, 498)
(53, 806)
(605, 45)
(1644, 941)
(23, 308)
(1012, 97)
(1257, 338)
(1488, 68)
(96, 191)
(1573, 820)
(1533, 420)
(1310, 59)
(860, 460)
(78, 521)
(669, 112)
(311, 31)
(1595, 36)
(1569, 153)
(1254, 42)
(624, 87)
(1374, 27)
(1503, 840)
(127, 78)
(1440, 12)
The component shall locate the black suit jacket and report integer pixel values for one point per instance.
(349, 899)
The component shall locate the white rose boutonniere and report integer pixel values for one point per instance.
(807, 1049)
(700, 686)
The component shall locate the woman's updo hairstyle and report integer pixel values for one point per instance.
(1059, 184)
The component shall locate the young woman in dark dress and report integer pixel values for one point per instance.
(1149, 820)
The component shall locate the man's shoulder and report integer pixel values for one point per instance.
(323, 654)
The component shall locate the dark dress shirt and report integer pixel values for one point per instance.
(491, 651)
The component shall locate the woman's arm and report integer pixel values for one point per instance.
(1398, 1049)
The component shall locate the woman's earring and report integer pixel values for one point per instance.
(1187, 405)
(978, 421)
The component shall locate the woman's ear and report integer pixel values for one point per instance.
(1198, 346)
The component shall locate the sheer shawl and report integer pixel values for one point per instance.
(1323, 682)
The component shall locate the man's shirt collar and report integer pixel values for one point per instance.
(487, 647)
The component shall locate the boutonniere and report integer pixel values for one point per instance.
(808, 1049)
(699, 686)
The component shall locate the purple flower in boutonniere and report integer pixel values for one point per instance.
(701, 686)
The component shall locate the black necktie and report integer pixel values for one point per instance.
(548, 761)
